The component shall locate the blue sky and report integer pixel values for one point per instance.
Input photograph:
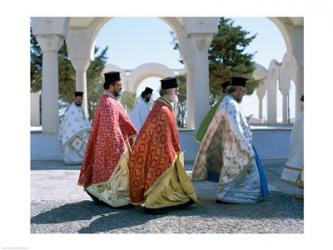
(133, 41)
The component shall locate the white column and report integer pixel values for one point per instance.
(50, 44)
(285, 108)
(201, 43)
(284, 89)
(35, 109)
(271, 101)
(190, 123)
(81, 85)
(261, 93)
(81, 65)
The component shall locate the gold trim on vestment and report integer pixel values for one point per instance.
(172, 188)
(114, 191)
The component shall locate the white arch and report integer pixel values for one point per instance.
(94, 25)
(147, 70)
(282, 26)
(82, 33)
(260, 72)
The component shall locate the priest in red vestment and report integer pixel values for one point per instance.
(104, 172)
(157, 175)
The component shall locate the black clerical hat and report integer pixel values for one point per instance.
(169, 83)
(148, 90)
(111, 77)
(78, 93)
(238, 81)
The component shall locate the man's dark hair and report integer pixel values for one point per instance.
(230, 89)
(106, 85)
(143, 94)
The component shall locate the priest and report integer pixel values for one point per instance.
(226, 154)
(74, 131)
(141, 109)
(104, 172)
(157, 175)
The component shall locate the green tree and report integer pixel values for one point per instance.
(35, 64)
(181, 105)
(95, 80)
(128, 100)
(181, 79)
(227, 57)
(67, 74)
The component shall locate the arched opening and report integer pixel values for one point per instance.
(151, 82)
(141, 72)
(91, 26)
(146, 57)
(269, 44)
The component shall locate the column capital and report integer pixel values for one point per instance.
(50, 43)
(200, 41)
(188, 60)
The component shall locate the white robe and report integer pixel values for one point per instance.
(293, 170)
(73, 134)
(140, 113)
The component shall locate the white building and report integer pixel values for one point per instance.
(194, 35)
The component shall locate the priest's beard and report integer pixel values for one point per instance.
(116, 94)
(147, 99)
(239, 99)
(78, 104)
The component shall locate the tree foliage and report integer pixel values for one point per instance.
(227, 57)
(127, 99)
(35, 64)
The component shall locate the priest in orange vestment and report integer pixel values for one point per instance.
(157, 175)
(104, 172)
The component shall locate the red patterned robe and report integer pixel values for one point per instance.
(107, 150)
(157, 175)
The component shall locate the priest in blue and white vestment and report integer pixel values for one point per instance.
(226, 154)
(74, 131)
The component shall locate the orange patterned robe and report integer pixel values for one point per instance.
(157, 175)
(107, 149)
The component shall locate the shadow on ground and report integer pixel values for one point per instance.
(277, 206)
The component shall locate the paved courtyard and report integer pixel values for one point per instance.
(59, 205)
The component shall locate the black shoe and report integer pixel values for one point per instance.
(128, 206)
(183, 206)
(156, 211)
(95, 199)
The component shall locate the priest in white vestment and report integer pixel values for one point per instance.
(293, 170)
(74, 131)
(141, 109)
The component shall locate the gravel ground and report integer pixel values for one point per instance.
(58, 205)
